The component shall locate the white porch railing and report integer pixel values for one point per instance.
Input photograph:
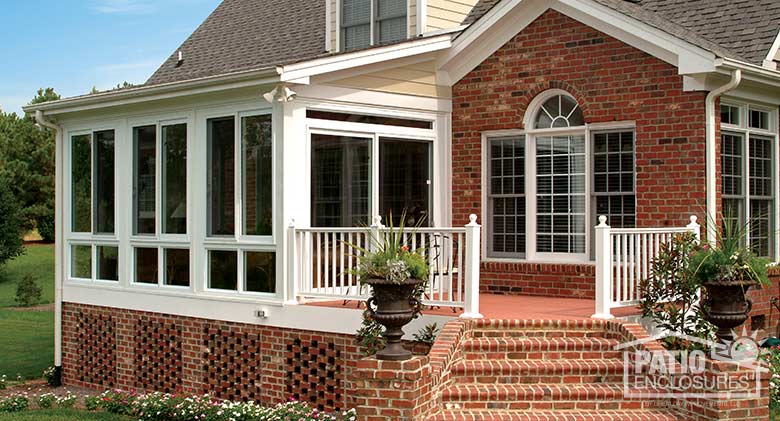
(321, 260)
(623, 259)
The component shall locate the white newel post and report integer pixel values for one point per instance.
(603, 270)
(293, 274)
(471, 306)
(376, 226)
(695, 227)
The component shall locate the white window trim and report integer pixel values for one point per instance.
(743, 129)
(531, 255)
(238, 242)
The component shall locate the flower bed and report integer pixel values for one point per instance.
(166, 407)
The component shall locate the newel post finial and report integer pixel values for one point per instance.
(473, 219)
(603, 221)
(377, 220)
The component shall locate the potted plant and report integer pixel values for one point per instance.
(397, 276)
(727, 270)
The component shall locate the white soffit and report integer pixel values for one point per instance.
(509, 17)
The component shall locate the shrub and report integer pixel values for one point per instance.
(369, 336)
(51, 376)
(670, 296)
(427, 335)
(14, 403)
(3, 380)
(67, 401)
(92, 403)
(28, 293)
(11, 244)
(117, 401)
(45, 225)
(46, 400)
(772, 357)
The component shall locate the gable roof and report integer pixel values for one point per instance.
(737, 29)
(243, 35)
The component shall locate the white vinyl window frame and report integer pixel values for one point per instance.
(239, 242)
(587, 131)
(91, 239)
(159, 240)
(374, 133)
(744, 130)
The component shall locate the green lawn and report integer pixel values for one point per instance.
(27, 344)
(60, 415)
(39, 262)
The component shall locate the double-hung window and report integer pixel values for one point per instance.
(160, 241)
(93, 248)
(546, 184)
(239, 237)
(370, 22)
(748, 171)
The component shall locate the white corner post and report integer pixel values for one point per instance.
(603, 270)
(375, 228)
(471, 305)
(695, 227)
(293, 274)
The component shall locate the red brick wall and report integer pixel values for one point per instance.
(107, 347)
(612, 82)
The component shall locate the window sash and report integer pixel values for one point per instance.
(512, 149)
(385, 21)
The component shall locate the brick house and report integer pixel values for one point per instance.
(202, 216)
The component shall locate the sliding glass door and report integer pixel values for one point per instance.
(405, 180)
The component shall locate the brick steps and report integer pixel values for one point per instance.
(536, 348)
(539, 371)
(475, 415)
(539, 333)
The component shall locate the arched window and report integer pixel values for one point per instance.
(557, 112)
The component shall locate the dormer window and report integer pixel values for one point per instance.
(370, 22)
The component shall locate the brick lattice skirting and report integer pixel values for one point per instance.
(108, 347)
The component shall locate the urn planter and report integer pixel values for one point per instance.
(395, 308)
(728, 307)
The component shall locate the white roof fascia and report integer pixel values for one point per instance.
(510, 17)
(770, 62)
(157, 92)
(298, 71)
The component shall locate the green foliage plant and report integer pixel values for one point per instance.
(427, 335)
(369, 336)
(28, 292)
(11, 244)
(670, 295)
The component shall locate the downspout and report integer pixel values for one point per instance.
(711, 158)
(58, 261)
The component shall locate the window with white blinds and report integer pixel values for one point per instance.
(370, 22)
(748, 174)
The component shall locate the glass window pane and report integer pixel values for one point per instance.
(340, 181)
(391, 30)
(177, 267)
(356, 37)
(81, 183)
(559, 111)
(146, 263)
(260, 272)
(223, 270)
(221, 182)
(258, 174)
(761, 232)
(107, 263)
(760, 166)
(729, 115)
(404, 181)
(174, 174)
(759, 119)
(144, 179)
(104, 182)
(81, 262)
(561, 194)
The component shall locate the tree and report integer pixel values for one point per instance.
(11, 244)
(27, 155)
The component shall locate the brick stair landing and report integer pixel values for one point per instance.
(542, 370)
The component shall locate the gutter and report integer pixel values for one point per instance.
(711, 157)
(58, 244)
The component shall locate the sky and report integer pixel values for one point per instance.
(73, 45)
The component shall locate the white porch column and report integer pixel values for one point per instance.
(471, 310)
(603, 270)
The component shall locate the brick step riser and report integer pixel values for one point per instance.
(554, 405)
(540, 334)
(542, 355)
(641, 415)
(540, 379)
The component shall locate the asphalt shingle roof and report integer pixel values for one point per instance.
(247, 35)
(739, 29)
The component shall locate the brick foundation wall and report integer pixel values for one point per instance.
(114, 348)
(612, 81)
(763, 316)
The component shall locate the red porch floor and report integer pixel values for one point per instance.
(494, 306)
